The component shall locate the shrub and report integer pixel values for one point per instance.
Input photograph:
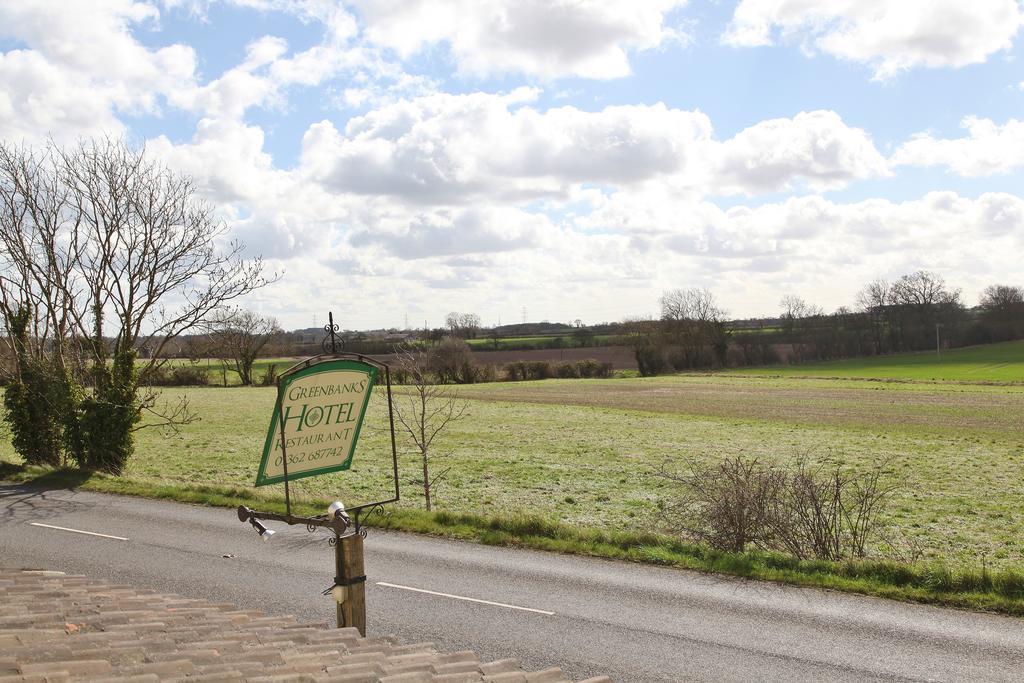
(724, 505)
(650, 360)
(40, 403)
(826, 512)
(527, 370)
(451, 361)
(108, 416)
(807, 511)
(515, 372)
(269, 378)
(192, 375)
(590, 368)
(541, 369)
(486, 373)
(567, 370)
(39, 406)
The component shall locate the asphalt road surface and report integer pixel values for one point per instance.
(631, 622)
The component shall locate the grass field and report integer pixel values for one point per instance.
(991, 363)
(585, 452)
(214, 367)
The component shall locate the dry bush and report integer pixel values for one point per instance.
(724, 505)
(191, 375)
(824, 512)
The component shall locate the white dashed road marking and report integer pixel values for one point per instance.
(78, 531)
(462, 597)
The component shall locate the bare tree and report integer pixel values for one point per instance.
(469, 324)
(1004, 301)
(424, 410)
(453, 323)
(694, 323)
(794, 309)
(238, 336)
(495, 337)
(39, 248)
(798, 319)
(113, 252)
(1002, 313)
(920, 301)
(873, 300)
(690, 304)
(923, 290)
(462, 325)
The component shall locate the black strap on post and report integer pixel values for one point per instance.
(338, 581)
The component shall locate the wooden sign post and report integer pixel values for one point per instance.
(348, 562)
(321, 403)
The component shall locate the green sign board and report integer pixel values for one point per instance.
(320, 409)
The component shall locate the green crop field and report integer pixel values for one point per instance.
(586, 452)
(990, 363)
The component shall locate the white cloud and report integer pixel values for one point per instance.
(263, 77)
(225, 158)
(545, 38)
(276, 212)
(889, 36)
(456, 149)
(816, 147)
(82, 66)
(988, 149)
(459, 232)
(429, 202)
(263, 51)
(824, 249)
(38, 98)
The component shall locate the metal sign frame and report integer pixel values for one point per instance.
(357, 513)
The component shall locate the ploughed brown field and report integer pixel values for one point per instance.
(621, 357)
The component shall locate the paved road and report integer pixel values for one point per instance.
(631, 622)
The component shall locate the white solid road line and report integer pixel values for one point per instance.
(462, 597)
(78, 531)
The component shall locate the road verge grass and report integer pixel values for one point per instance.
(995, 590)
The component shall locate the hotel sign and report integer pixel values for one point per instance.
(316, 421)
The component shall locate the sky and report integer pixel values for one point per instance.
(396, 160)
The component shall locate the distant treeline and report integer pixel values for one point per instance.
(448, 362)
(914, 313)
(451, 362)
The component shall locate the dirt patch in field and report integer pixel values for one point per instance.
(621, 357)
(870, 406)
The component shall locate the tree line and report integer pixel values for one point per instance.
(916, 312)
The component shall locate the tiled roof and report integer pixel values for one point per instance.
(56, 627)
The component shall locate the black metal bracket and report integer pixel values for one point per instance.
(337, 524)
(331, 340)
